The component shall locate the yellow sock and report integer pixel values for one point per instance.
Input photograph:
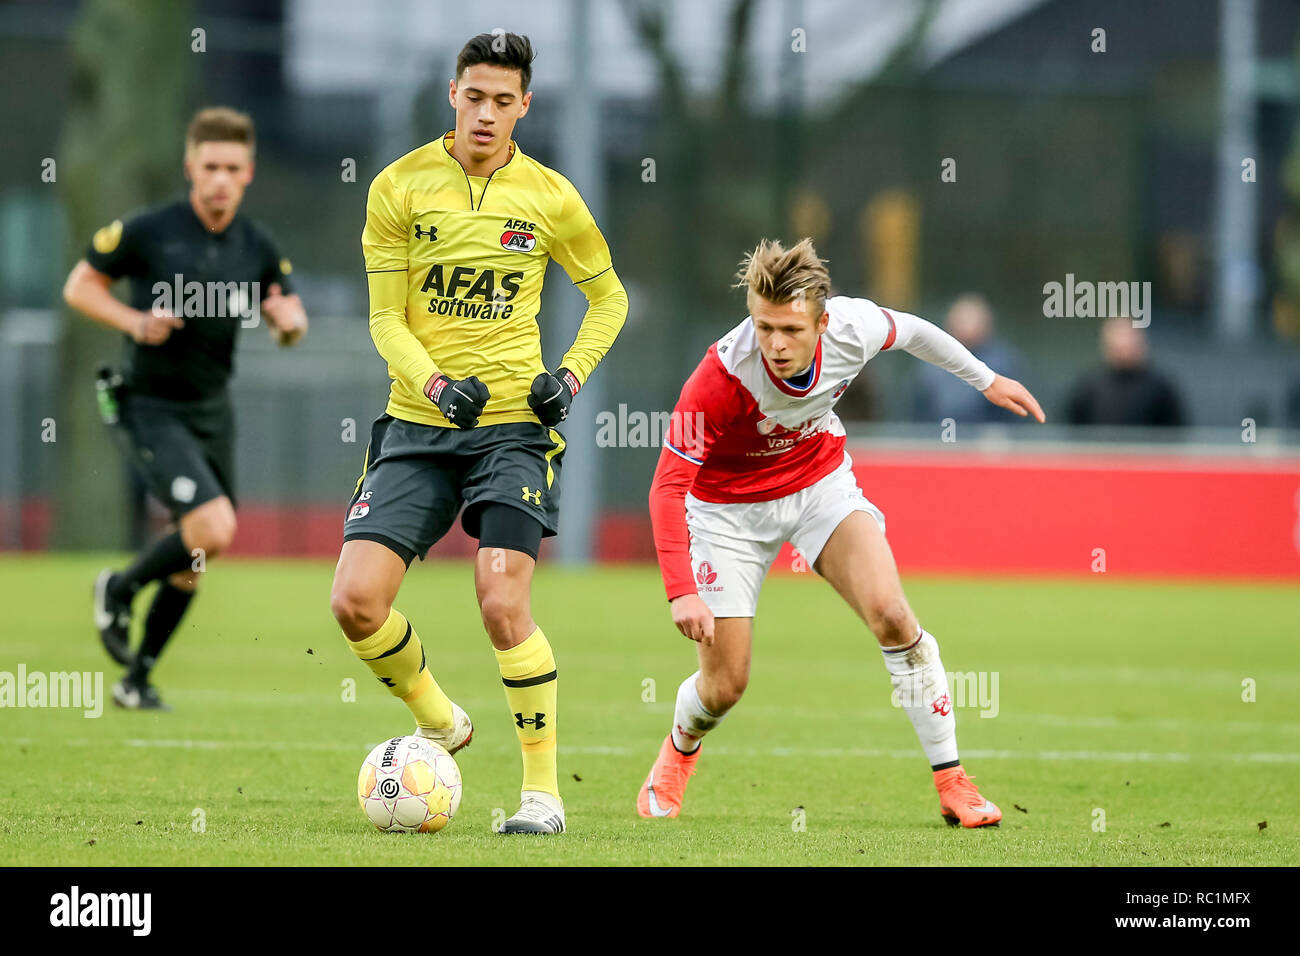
(528, 671)
(396, 656)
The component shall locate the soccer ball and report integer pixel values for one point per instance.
(409, 785)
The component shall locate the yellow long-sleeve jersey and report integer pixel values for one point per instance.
(455, 266)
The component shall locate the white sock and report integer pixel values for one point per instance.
(690, 720)
(922, 685)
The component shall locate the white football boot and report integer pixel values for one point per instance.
(453, 738)
(539, 812)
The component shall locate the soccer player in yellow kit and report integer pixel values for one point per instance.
(457, 238)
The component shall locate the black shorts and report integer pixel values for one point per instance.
(416, 478)
(184, 451)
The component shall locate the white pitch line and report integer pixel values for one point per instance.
(1119, 756)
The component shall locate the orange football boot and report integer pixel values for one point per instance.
(960, 800)
(662, 793)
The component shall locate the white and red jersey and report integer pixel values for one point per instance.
(740, 434)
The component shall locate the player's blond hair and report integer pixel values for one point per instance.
(220, 124)
(782, 275)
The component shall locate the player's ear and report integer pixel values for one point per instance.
(823, 322)
(451, 92)
(528, 99)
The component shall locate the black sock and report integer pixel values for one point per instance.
(165, 613)
(165, 556)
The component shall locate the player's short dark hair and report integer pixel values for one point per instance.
(510, 50)
(220, 124)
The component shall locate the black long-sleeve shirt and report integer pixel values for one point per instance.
(1125, 396)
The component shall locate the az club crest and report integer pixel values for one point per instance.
(516, 241)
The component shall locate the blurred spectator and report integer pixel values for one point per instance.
(940, 394)
(1125, 390)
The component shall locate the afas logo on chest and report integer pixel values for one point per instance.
(469, 293)
(471, 283)
(518, 236)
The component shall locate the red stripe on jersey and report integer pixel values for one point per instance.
(742, 462)
(733, 473)
(893, 331)
(745, 457)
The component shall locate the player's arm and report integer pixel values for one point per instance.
(582, 252)
(673, 479)
(285, 316)
(696, 423)
(111, 255)
(928, 342)
(383, 242)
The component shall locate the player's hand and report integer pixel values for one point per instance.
(551, 396)
(154, 328)
(1008, 393)
(461, 401)
(693, 618)
(284, 315)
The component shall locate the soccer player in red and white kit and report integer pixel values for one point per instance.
(754, 458)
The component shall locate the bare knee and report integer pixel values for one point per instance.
(221, 533)
(892, 621)
(210, 531)
(358, 614)
(503, 617)
(722, 692)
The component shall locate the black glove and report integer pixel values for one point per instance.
(460, 401)
(551, 396)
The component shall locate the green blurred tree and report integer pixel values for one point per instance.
(711, 163)
(122, 147)
(730, 172)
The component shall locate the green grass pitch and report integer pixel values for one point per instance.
(1114, 698)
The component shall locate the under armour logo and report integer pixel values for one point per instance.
(431, 232)
(530, 495)
(537, 721)
(942, 706)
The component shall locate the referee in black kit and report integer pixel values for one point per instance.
(198, 272)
